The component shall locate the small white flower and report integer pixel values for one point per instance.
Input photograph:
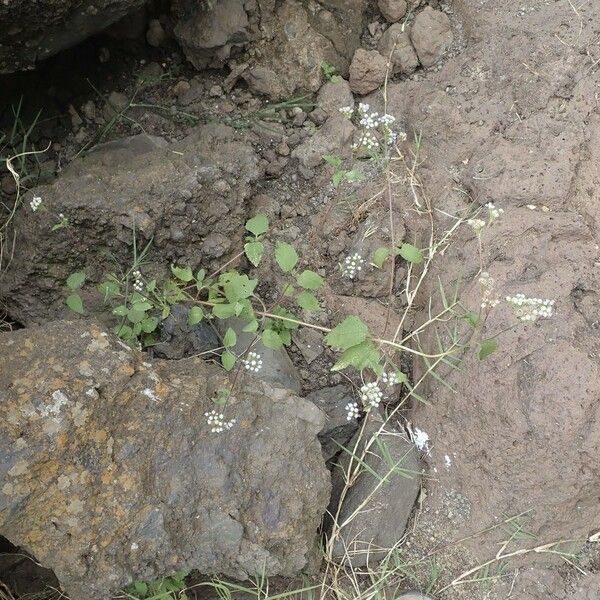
(217, 422)
(347, 111)
(489, 298)
(494, 212)
(352, 411)
(476, 224)
(352, 265)
(363, 107)
(390, 378)
(371, 395)
(420, 439)
(253, 362)
(531, 309)
(138, 283)
(35, 203)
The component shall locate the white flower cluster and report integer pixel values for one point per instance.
(253, 362)
(366, 140)
(489, 299)
(35, 203)
(390, 378)
(494, 212)
(138, 283)
(371, 395)
(217, 421)
(476, 224)
(347, 111)
(531, 309)
(352, 265)
(420, 439)
(352, 411)
(370, 123)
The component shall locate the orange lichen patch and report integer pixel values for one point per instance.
(126, 481)
(45, 471)
(161, 389)
(107, 477)
(100, 436)
(126, 370)
(61, 440)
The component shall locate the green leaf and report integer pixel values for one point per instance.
(151, 285)
(237, 287)
(200, 275)
(258, 225)
(411, 254)
(332, 159)
(120, 311)
(123, 331)
(195, 315)
(109, 289)
(310, 280)
(254, 252)
(182, 273)
(230, 338)
(140, 587)
(135, 316)
(472, 318)
(223, 311)
(149, 324)
(308, 301)
(142, 305)
(487, 347)
(75, 280)
(166, 311)
(228, 360)
(271, 339)
(349, 332)
(361, 356)
(379, 257)
(286, 256)
(137, 328)
(285, 336)
(75, 303)
(251, 327)
(354, 175)
(337, 178)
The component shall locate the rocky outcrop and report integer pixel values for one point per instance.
(187, 199)
(31, 31)
(110, 472)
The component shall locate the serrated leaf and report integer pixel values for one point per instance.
(286, 256)
(75, 280)
(308, 301)
(109, 289)
(237, 287)
(310, 280)
(135, 316)
(228, 360)
(254, 252)
(271, 339)
(379, 257)
(75, 303)
(120, 311)
(182, 273)
(123, 331)
(411, 254)
(142, 305)
(149, 324)
(350, 332)
(337, 178)
(195, 315)
(223, 311)
(332, 159)
(251, 327)
(258, 225)
(487, 347)
(361, 356)
(230, 338)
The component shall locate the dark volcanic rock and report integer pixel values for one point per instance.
(110, 472)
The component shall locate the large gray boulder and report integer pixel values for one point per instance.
(187, 199)
(31, 31)
(110, 472)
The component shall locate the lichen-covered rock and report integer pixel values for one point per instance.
(31, 31)
(367, 71)
(110, 473)
(188, 199)
(395, 43)
(431, 35)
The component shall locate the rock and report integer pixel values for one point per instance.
(283, 149)
(207, 34)
(367, 71)
(383, 519)
(104, 194)
(334, 137)
(396, 42)
(32, 32)
(414, 596)
(334, 95)
(115, 103)
(392, 10)
(431, 35)
(290, 61)
(155, 35)
(338, 430)
(181, 88)
(110, 472)
(216, 91)
(178, 339)
(277, 368)
(130, 27)
(309, 342)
